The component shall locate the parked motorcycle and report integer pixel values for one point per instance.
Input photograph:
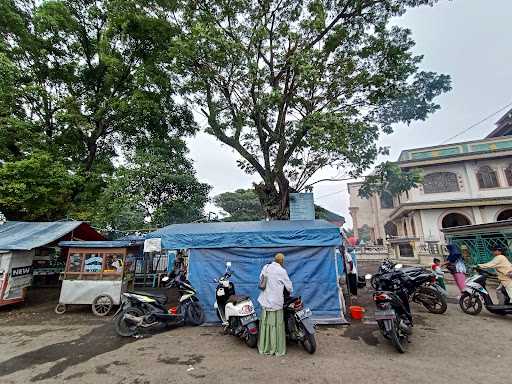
(393, 314)
(141, 310)
(475, 292)
(426, 292)
(235, 311)
(298, 323)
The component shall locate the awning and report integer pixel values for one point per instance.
(299, 233)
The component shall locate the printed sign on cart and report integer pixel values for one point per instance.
(19, 278)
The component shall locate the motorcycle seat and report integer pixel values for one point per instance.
(159, 296)
(237, 299)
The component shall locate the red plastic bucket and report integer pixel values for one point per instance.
(356, 312)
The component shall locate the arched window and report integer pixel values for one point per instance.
(505, 215)
(508, 174)
(386, 200)
(455, 220)
(439, 182)
(487, 177)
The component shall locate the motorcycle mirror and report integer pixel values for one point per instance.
(165, 279)
(228, 264)
(368, 276)
(398, 266)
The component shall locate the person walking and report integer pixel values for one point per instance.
(455, 264)
(273, 281)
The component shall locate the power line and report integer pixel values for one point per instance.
(330, 194)
(477, 123)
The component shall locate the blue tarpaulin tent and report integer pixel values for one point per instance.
(310, 259)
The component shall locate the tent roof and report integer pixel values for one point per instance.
(100, 244)
(249, 234)
(20, 235)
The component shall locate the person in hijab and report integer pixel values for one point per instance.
(455, 264)
(273, 281)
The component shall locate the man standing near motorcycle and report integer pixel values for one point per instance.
(273, 280)
(504, 267)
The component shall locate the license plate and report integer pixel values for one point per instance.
(248, 319)
(385, 315)
(303, 313)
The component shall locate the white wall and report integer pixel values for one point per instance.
(468, 185)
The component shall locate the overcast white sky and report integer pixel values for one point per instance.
(468, 39)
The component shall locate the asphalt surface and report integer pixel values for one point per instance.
(39, 346)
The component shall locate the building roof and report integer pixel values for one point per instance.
(19, 235)
(503, 126)
(252, 234)
(330, 216)
(100, 244)
(457, 151)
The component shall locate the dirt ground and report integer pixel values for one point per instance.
(37, 345)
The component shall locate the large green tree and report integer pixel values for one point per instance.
(241, 205)
(294, 86)
(390, 178)
(157, 187)
(87, 82)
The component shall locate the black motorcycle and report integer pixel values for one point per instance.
(426, 290)
(298, 323)
(393, 313)
(142, 310)
(476, 291)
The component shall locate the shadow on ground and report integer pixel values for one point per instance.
(66, 354)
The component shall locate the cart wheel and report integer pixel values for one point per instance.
(102, 305)
(60, 309)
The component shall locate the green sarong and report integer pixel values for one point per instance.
(272, 337)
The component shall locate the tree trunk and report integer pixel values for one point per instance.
(274, 199)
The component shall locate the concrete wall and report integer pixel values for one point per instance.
(427, 223)
(468, 184)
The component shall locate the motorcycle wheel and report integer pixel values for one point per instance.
(195, 314)
(432, 300)
(251, 340)
(125, 328)
(309, 342)
(472, 305)
(399, 342)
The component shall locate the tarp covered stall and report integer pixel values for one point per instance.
(22, 242)
(309, 247)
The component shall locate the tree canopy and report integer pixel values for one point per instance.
(87, 84)
(390, 178)
(95, 93)
(294, 86)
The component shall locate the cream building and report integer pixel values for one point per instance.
(464, 183)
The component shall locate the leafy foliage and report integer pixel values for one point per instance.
(389, 177)
(298, 85)
(241, 205)
(88, 83)
(36, 188)
(158, 186)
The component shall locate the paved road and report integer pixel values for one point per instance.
(79, 348)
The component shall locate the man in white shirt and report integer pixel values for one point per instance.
(272, 338)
